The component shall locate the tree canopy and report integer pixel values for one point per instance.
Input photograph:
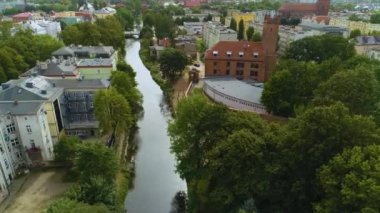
(233, 24)
(241, 30)
(172, 62)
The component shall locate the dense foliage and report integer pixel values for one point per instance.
(22, 50)
(235, 161)
(108, 31)
(172, 62)
(306, 76)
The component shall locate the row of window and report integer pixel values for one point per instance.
(82, 118)
(239, 64)
(252, 73)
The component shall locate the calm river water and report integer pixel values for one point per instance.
(155, 182)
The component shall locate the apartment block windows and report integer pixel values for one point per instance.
(28, 129)
(32, 144)
(11, 128)
(239, 72)
(15, 142)
(228, 64)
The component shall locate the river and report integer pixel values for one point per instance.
(155, 182)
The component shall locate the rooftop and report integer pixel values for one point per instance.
(80, 83)
(87, 51)
(236, 88)
(298, 7)
(96, 62)
(236, 50)
(367, 40)
(20, 108)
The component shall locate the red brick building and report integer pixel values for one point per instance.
(245, 59)
(320, 8)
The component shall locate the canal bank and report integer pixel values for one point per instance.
(155, 183)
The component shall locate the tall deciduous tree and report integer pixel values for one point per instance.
(66, 149)
(358, 89)
(125, 85)
(112, 110)
(172, 62)
(233, 24)
(241, 30)
(351, 181)
(250, 32)
(95, 159)
(320, 48)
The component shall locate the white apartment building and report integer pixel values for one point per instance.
(193, 28)
(214, 32)
(43, 27)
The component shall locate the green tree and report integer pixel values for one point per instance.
(250, 32)
(241, 30)
(71, 35)
(112, 32)
(126, 86)
(256, 37)
(320, 48)
(66, 149)
(375, 18)
(233, 24)
(358, 89)
(126, 18)
(172, 62)
(351, 181)
(112, 111)
(66, 205)
(354, 17)
(95, 159)
(355, 33)
(164, 27)
(312, 139)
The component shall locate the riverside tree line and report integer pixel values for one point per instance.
(324, 158)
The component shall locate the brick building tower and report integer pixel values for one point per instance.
(270, 40)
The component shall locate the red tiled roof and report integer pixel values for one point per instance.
(298, 7)
(22, 15)
(247, 47)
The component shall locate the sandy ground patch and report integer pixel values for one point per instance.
(39, 189)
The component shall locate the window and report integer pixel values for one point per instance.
(240, 65)
(6, 163)
(32, 144)
(15, 142)
(253, 73)
(19, 154)
(239, 72)
(228, 64)
(28, 129)
(11, 128)
(255, 55)
(254, 65)
(215, 53)
(227, 72)
(241, 54)
(214, 72)
(229, 53)
(215, 63)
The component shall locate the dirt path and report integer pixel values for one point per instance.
(38, 190)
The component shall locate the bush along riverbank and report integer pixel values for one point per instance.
(100, 167)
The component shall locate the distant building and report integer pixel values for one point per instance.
(374, 53)
(22, 17)
(214, 32)
(193, 28)
(364, 45)
(82, 52)
(77, 105)
(55, 68)
(43, 27)
(245, 59)
(320, 8)
(97, 68)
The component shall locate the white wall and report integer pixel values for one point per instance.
(232, 102)
(39, 134)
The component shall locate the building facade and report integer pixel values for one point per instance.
(193, 28)
(244, 59)
(320, 8)
(214, 32)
